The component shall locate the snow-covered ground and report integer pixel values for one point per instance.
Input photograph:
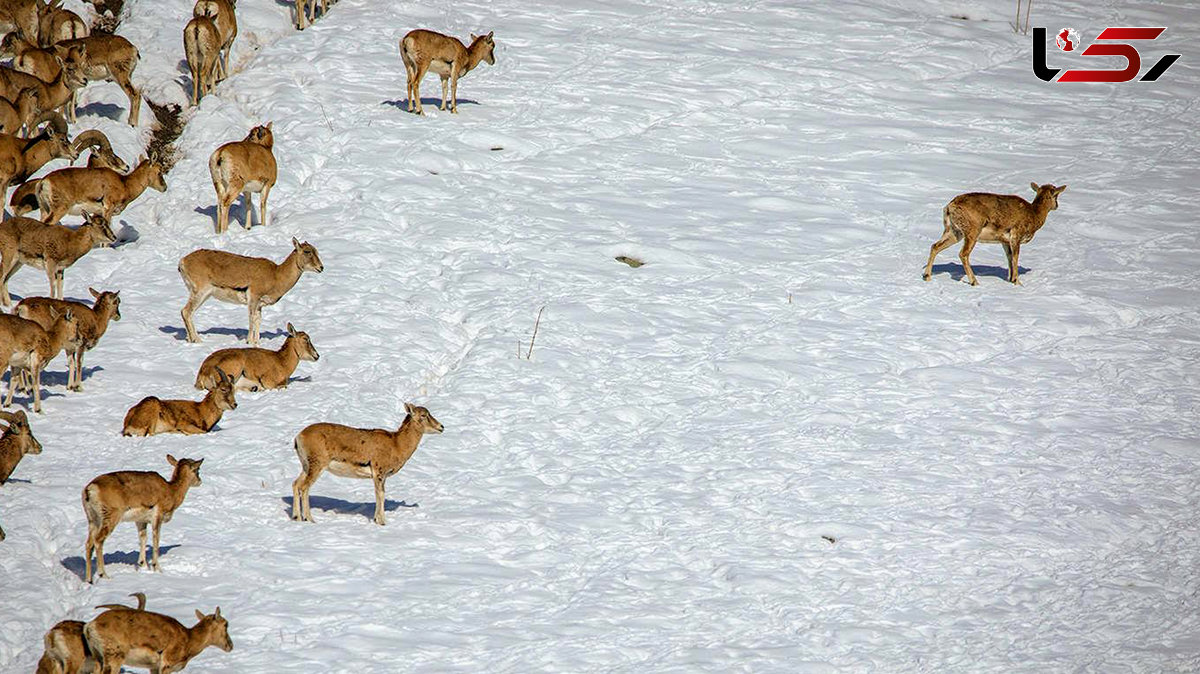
(771, 448)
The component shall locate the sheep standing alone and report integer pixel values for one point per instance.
(1000, 218)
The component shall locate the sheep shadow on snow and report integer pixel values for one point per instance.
(76, 564)
(402, 104)
(237, 207)
(108, 110)
(57, 378)
(957, 272)
(180, 333)
(339, 506)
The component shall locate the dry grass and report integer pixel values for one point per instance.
(108, 15)
(631, 261)
(166, 131)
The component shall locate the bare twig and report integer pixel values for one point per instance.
(326, 117)
(1028, 6)
(1017, 23)
(529, 354)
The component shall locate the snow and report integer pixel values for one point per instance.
(771, 448)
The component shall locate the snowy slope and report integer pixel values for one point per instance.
(1006, 473)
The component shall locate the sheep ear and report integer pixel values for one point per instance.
(94, 293)
(172, 460)
(1034, 186)
(199, 615)
(270, 123)
(217, 613)
(295, 243)
(410, 408)
(1060, 190)
(491, 33)
(291, 329)
(474, 37)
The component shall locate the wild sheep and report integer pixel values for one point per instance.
(141, 497)
(254, 281)
(92, 324)
(152, 640)
(424, 50)
(255, 369)
(153, 415)
(374, 454)
(243, 167)
(1006, 219)
(15, 442)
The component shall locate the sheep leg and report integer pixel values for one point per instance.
(141, 527)
(195, 300)
(52, 276)
(454, 71)
(247, 215)
(445, 93)
(195, 82)
(300, 489)
(124, 79)
(262, 206)
(88, 548)
(409, 71)
(301, 510)
(379, 479)
(76, 369)
(36, 368)
(13, 378)
(106, 528)
(157, 531)
(416, 95)
(1013, 264)
(965, 256)
(11, 264)
(948, 239)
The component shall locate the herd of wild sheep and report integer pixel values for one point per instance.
(53, 56)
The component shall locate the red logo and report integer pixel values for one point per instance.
(1068, 40)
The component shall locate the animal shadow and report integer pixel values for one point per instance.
(126, 235)
(109, 110)
(76, 565)
(337, 505)
(402, 104)
(26, 399)
(957, 272)
(240, 333)
(238, 206)
(60, 378)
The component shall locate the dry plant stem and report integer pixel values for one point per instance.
(535, 329)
